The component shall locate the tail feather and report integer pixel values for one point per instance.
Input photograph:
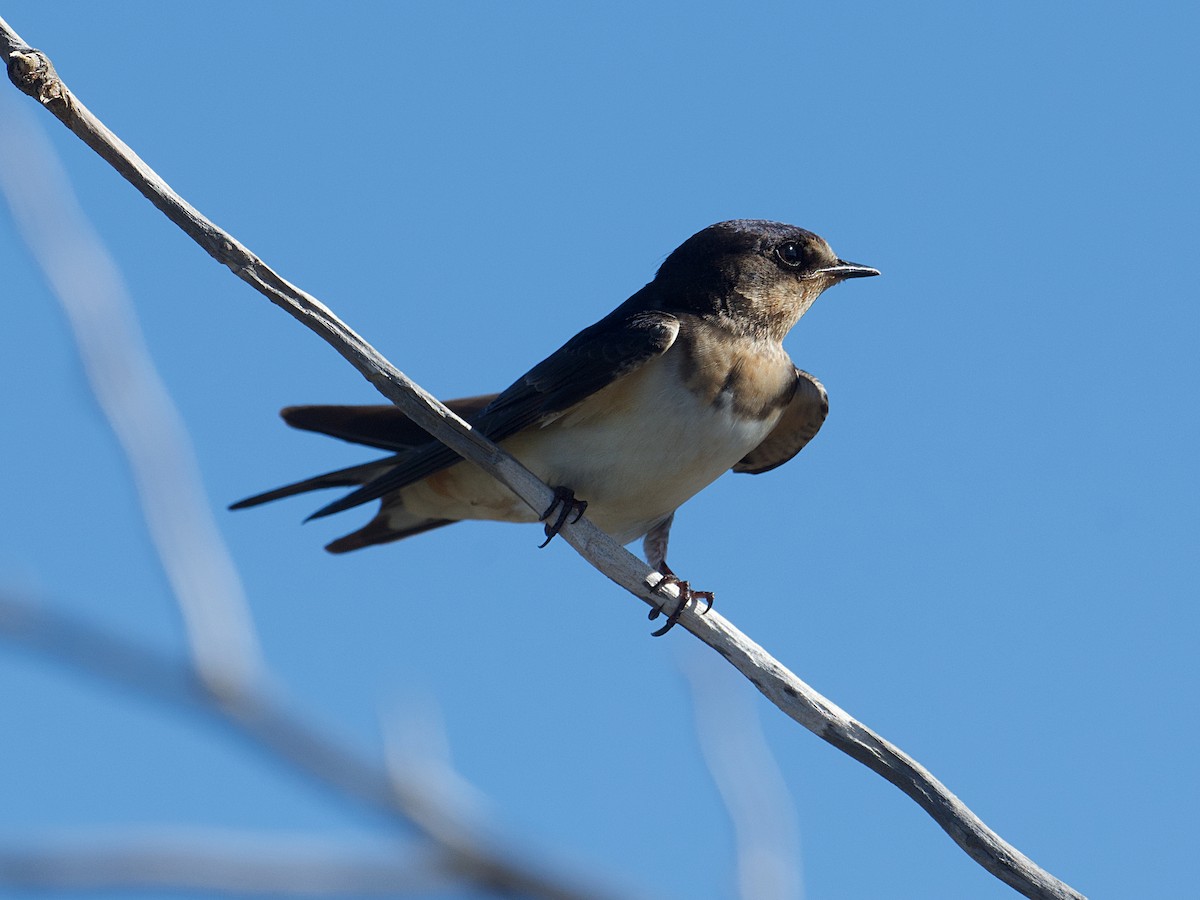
(349, 477)
(417, 464)
(384, 529)
(384, 427)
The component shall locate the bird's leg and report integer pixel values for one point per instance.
(565, 502)
(686, 597)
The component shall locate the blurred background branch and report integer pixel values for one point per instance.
(226, 680)
(222, 862)
(405, 801)
(135, 404)
(760, 807)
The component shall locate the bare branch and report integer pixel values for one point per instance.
(33, 73)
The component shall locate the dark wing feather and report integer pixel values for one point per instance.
(802, 419)
(594, 358)
(383, 425)
(591, 360)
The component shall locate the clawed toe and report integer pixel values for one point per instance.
(686, 597)
(564, 501)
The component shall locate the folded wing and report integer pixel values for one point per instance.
(802, 419)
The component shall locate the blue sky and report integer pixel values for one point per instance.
(989, 553)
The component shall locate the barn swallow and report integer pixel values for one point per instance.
(633, 416)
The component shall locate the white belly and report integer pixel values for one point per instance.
(635, 451)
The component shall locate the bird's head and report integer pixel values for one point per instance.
(761, 276)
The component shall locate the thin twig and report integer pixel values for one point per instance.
(32, 72)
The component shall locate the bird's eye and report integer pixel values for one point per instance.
(790, 253)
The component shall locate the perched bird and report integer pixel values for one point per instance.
(632, 416)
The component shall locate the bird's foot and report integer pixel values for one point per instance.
(565, 504)
(686, 597)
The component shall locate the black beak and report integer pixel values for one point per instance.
(843, 269)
